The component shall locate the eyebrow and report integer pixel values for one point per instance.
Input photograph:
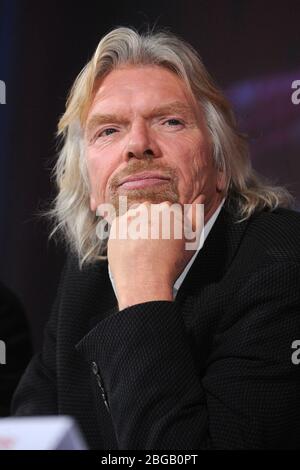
(172, 108)
(176, 107)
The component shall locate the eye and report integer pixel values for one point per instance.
(108, 131)
(105, 132)
(173, 122)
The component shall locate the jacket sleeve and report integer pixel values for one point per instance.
(248, 396)
(36, 393)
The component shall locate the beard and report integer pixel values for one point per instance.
(166, 191)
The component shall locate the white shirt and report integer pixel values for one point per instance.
(207, 228)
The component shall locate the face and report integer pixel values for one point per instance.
(147, 140)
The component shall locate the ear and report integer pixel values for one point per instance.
(93, 205)
(221, 181)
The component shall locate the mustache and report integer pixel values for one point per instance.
(135, 167)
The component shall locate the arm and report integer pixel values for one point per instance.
(249, 394)
(36, 392)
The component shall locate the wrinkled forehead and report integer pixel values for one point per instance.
(148, 86)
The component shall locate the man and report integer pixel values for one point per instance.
(151, 345)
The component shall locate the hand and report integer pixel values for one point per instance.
(145, 269)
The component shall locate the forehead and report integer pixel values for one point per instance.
(139, 87)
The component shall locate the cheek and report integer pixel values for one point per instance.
(97, 172)
(192, 159)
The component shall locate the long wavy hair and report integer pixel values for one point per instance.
(71, 215)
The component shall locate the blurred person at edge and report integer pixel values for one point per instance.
(15, 346)
(150, 345)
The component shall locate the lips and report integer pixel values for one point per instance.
(142, 179)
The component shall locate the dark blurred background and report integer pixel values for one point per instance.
(252, 48)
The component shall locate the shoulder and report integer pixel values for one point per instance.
(275, 234)
(81, 284)
(76, 273)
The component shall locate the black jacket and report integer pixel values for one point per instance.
(213, 369)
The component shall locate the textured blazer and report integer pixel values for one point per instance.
(211, 370)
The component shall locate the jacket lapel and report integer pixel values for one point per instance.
(216, 255)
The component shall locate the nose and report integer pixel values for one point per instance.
(141, 143)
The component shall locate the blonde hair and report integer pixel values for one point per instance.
(71, 212)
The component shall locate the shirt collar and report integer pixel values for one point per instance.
(207, 228)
